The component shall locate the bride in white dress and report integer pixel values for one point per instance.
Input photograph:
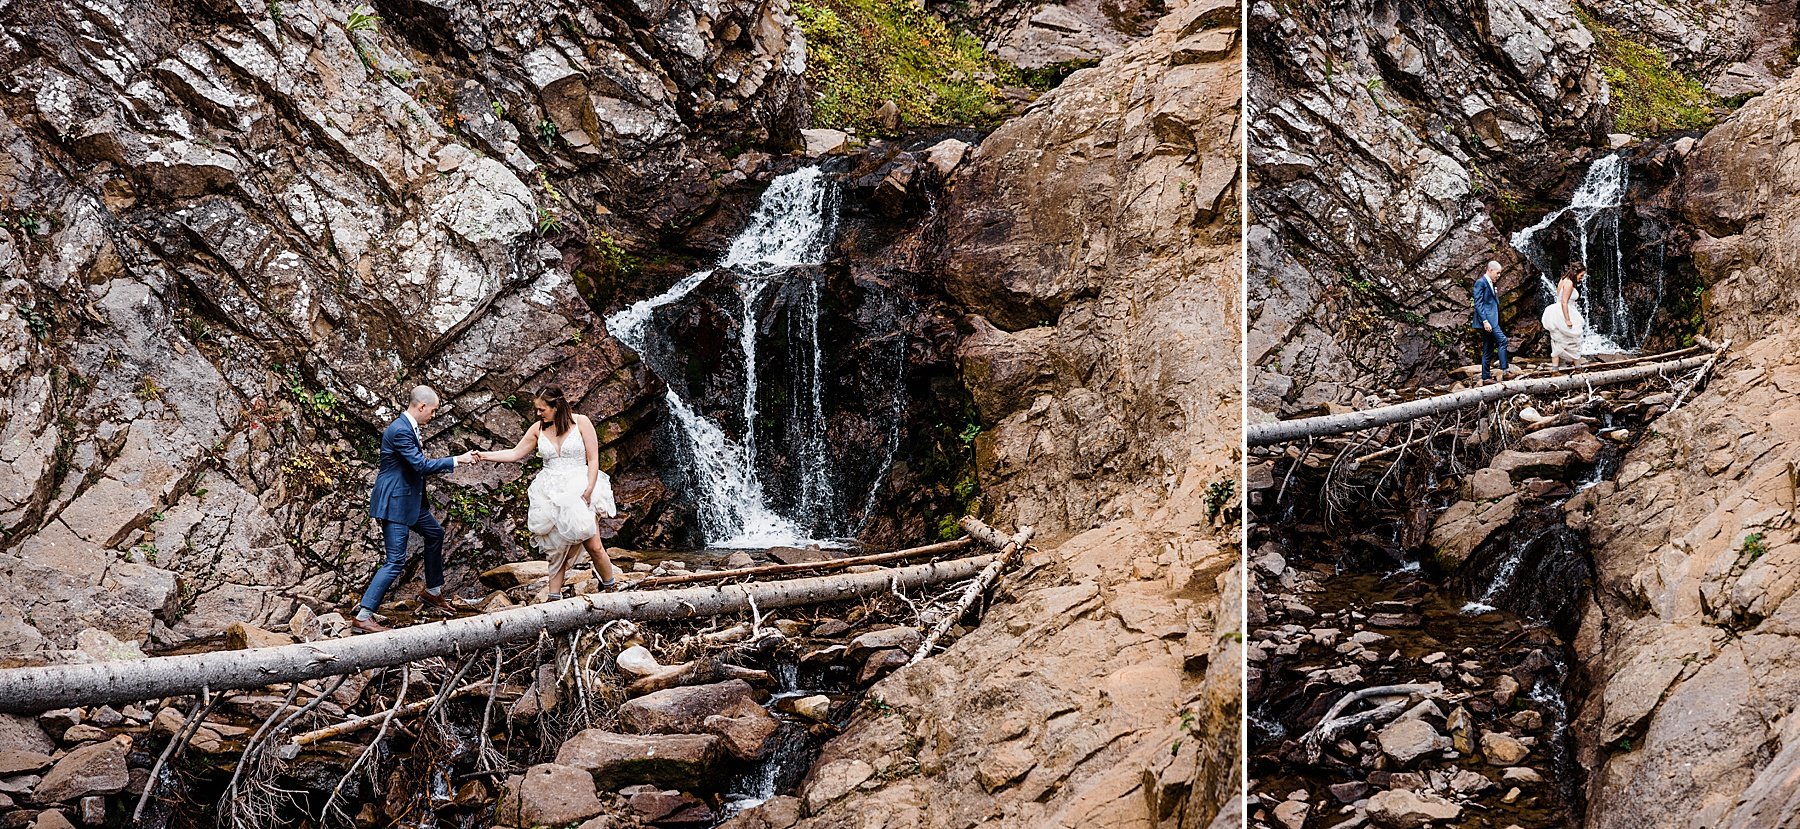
(1562, 319)
(570, 490)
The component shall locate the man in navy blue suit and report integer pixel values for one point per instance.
(398, 502)
(1487, 320)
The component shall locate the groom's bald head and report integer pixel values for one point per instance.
(424, 404)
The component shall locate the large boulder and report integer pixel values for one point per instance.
(679, 761)
(1467, 524)
(97, 768)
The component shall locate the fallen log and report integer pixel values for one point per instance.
(1010, 549)
(36, 689)
(1266, 434)
(808, 566)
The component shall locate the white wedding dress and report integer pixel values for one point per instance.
(1565, 337)
(558, 519)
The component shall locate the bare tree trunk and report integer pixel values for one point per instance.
(808, 567)
(1266, 434)
(31, 690)
(1010, 549)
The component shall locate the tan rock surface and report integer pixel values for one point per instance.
(1693, 633)
(1107, 282)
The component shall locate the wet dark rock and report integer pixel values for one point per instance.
(667, 807)
(1349, 792)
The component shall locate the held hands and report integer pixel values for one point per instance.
(468, 457)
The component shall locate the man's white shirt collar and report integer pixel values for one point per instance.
(415, 426)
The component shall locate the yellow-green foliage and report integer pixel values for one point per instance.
(860, 53)
(1649, 95)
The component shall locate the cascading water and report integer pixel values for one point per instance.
(1613, 324)
(790, 230)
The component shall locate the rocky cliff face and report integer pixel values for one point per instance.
(1734, 48)
(1690, 644)
(1383, 135)
(1094, 239)
(235, 232)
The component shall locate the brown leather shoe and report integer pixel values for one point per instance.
(440, 602)
(368, 626)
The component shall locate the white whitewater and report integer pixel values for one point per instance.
(1595, 207)
(789, 229)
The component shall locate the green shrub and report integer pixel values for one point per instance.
(861, 53)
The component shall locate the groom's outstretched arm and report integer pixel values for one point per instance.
(406, 445)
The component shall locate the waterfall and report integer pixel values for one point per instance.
(1595, 211)
(791, 228)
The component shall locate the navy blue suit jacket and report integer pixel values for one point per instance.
(1487, 305)
(400, 483)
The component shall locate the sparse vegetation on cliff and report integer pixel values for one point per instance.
(863, 53)
(1649, 95)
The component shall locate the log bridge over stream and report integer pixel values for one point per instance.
(1698, 360)
(33, 690)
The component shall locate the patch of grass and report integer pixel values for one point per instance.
(1649, 95)
(861, 53)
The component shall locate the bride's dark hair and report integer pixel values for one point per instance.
(561, 412)
(1574, 270)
